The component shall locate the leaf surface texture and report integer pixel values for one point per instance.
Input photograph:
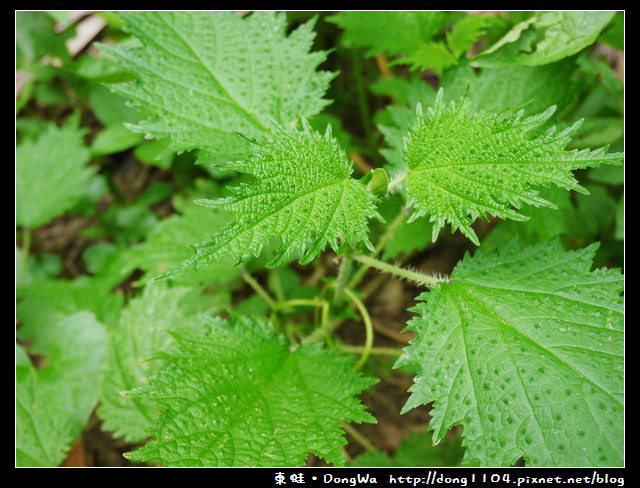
(240, 397)
(203, 77)
(139, 336)
(462, 165)
(524, 348)
(301, 192)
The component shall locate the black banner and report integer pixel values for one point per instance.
(439, 477)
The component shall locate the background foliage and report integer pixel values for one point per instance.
(115, 136)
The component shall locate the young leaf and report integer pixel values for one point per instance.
(51, 174)
(205, 76)
(240, 397)
(302, 193)
(525, 349)
(532, 89)
(464, 165)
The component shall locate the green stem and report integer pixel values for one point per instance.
(299, 302)
(258, 288)
(368, 327)
(386, 237)
(358, 437)
(325, 324)
(420, 278)
(341, 281)
(276, 283)
(397, 181)
(325, 328)
(379, 351)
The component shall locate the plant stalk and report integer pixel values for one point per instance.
(258, 288)
(358, 437)
(368, 327)
(427, 280)
(386, 237)
(341, 281)
(378, 351)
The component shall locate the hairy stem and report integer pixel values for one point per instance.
(341, 281)
(396, 181)
(420, 278)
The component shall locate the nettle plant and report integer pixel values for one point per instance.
(521, 345)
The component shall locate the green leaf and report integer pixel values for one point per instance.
(167, 246)
(594, 215)
(394, 129)
(53, 404)
(433, 55)
(463, 165)
(74, 349)
(38, 267)
(141, 334)
(405, 91)
(525, 349)
(239, 397)
(613, 33)
(530, 88)
(35, 38)
(113, 139)
(412, 34)
(545, 38)
(43, 432)
(109, 108)
(466, 32)
(205, 76)
(302, 193)
(390, 32)
(51, 174)
(544, 223)
(45, 301)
